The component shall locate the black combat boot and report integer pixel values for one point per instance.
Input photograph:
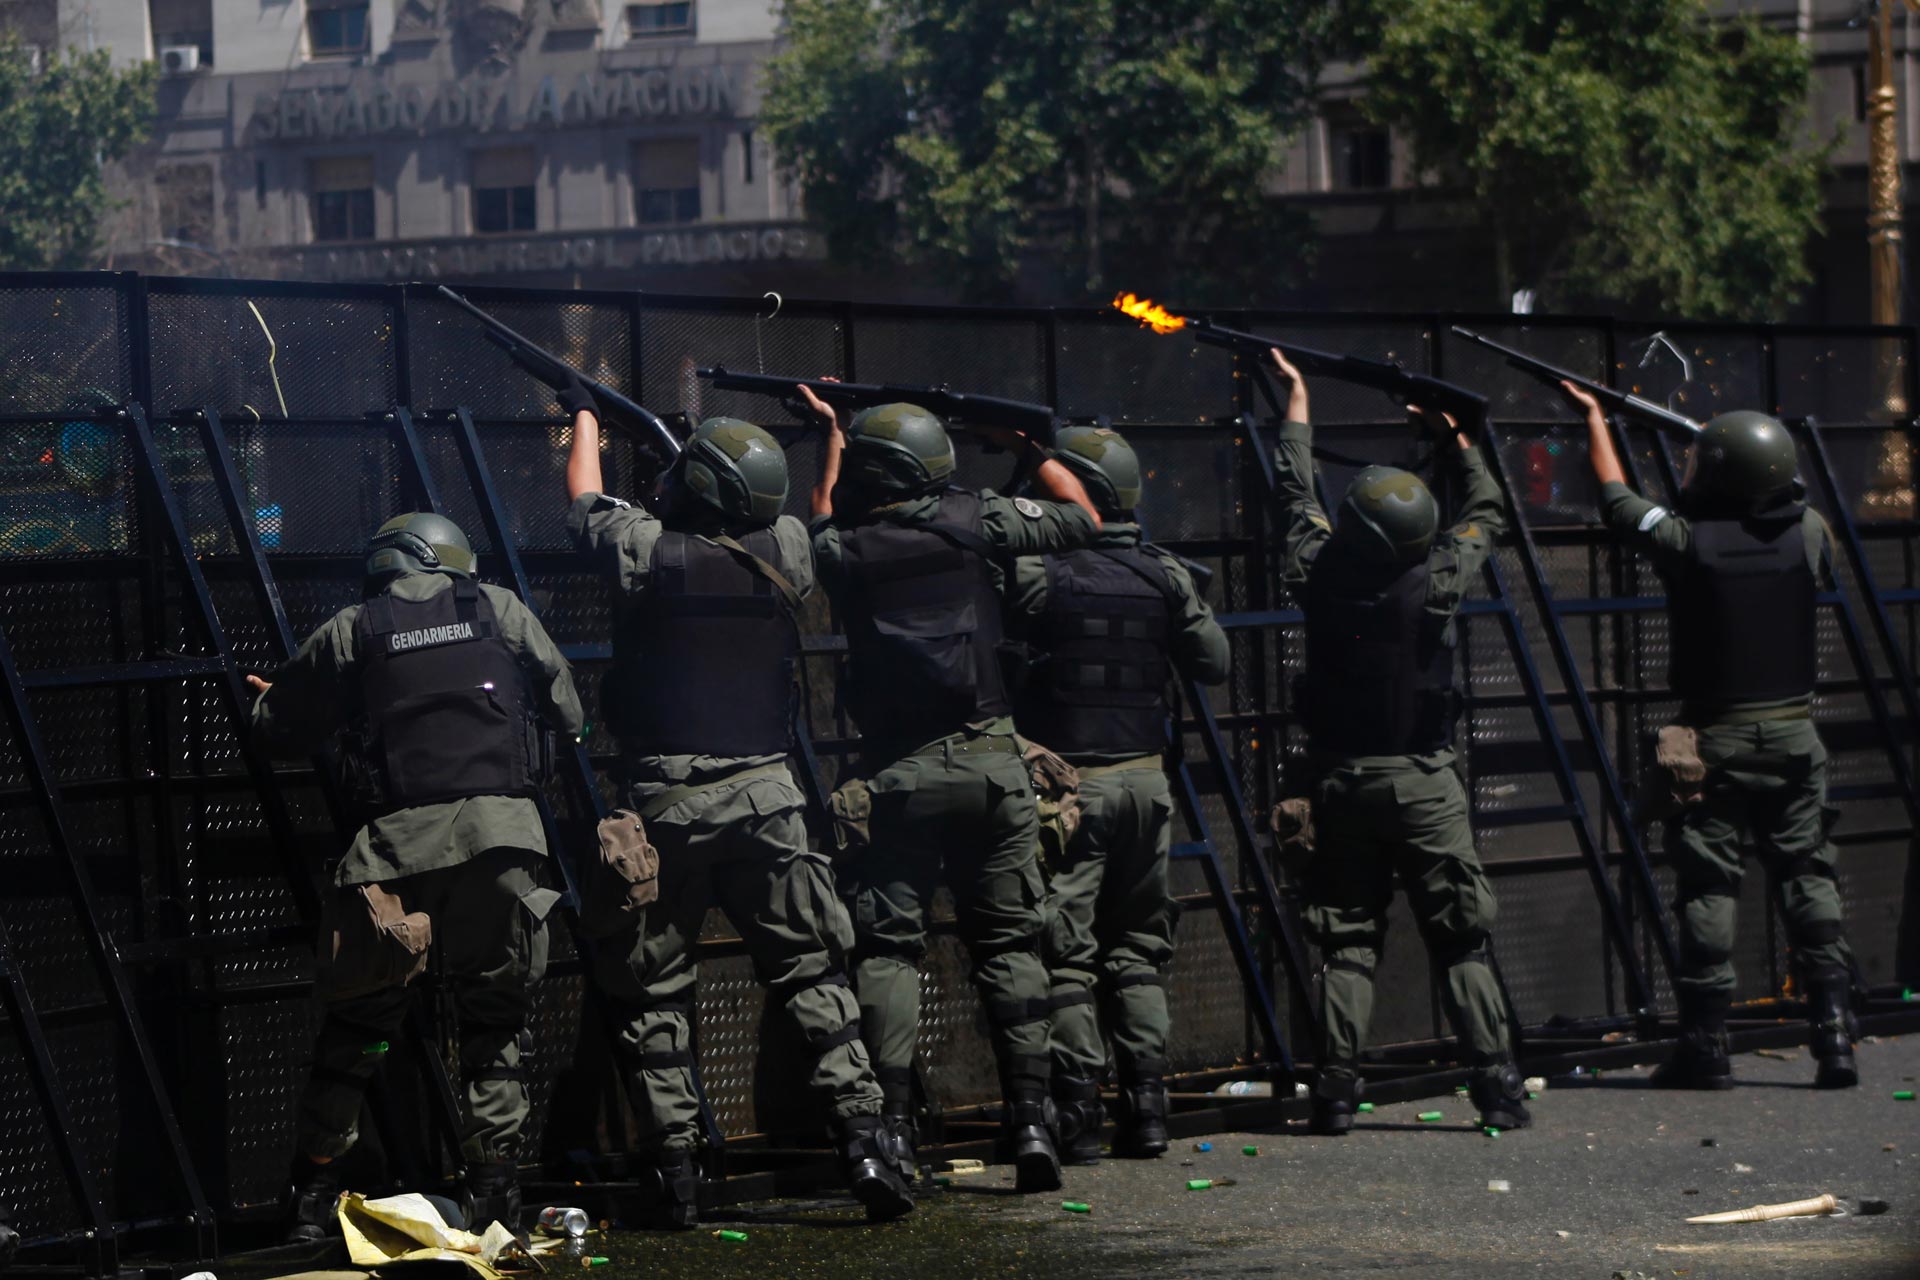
(1830, 1010)
(678, 1207)
(1700, 1059)
(312, 1192)
(1029, 1141)
(1142, 1133)
(896, 1114)
(492, 1194)
(1336, 1095)
(1501, 1097)
(1081, 1118)
(870, 1158)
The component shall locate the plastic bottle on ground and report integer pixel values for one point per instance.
(1245, 1089)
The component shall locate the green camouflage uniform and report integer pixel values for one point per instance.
(475, 867)
(736, 839)
(1377, 815)
(1110, 916)
(959, 808)
(1766, 789)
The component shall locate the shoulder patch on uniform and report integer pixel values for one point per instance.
(1471, 531)
(1653, 517)
(1028, 508)
(608, 500)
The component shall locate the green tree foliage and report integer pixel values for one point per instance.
(1129, 140)
(58, 127)
(1631, 152)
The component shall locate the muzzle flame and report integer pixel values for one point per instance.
(1149, 313)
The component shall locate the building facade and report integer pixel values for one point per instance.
(530, 141)
(614, 144)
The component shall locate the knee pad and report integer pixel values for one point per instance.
(1707, 930)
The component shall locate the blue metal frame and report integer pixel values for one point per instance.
(578, 768)
(445, 1112)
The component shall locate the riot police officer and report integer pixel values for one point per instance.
(915, 569)
(1380, 589)
(1743, 557)
(700, 695)
(438, 687)
(1106, 623)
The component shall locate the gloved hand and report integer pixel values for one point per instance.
(569, 387)
(574, 396)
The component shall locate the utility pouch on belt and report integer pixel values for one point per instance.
(1292, 818)
(1056, 796)
(377, 943)
(1678, 777)
(852, 810)
(1292, 821)
(623, 877)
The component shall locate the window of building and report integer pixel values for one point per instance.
(1362, 159)
(336, 28)
(644, 21)
(503, 189)
(342, 188)
(179, 25)
(746, 156)
(183, 198)
(666, 180)
(1860, 92)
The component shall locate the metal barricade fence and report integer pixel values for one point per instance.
(287, 421)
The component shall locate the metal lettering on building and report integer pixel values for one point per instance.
(487, 106)
(703, 246)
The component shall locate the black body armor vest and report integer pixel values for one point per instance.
(443, 708)
(704, 660)
(924, 629)
(1743, 614)
(1099, 683)
(1379, 677)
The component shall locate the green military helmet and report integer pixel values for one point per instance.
(1388, 515)
(738, 468)
(420, 542)
(1105, 463)
(1744, 456)
(897, 450)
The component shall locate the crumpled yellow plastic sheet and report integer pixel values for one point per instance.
(401, 1229)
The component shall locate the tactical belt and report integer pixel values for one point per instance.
(494, 1073)
(672, 796)
(1756, 715)
(833, 1040)
(665, 1060)
(1123, 766)
(985, 744)
(1015, 1013)
(966, 742)
(1127, 980)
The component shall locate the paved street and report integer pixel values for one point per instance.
(1600, 1185)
